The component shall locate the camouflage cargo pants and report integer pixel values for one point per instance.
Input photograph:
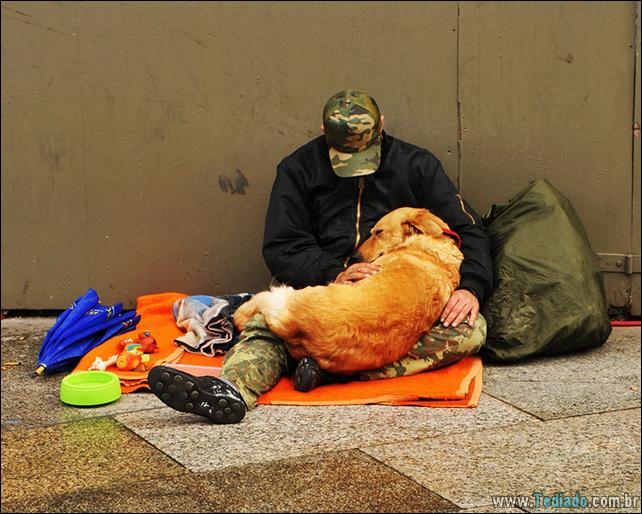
(258, 360)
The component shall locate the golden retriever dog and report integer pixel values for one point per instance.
(347, 328)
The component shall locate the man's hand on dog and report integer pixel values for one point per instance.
(462, 303)
(359, 271)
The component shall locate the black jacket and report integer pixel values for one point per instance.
(311, 223)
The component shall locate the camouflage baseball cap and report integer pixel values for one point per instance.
(352, 125)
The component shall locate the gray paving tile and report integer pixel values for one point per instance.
(68, 457)
(338, 482)
(346, 481)
(29, 401)
(26, 325)
(601, 380)
(582, 453)
(180, 493)
(275, 432)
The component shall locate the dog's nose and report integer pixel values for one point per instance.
(354, 258)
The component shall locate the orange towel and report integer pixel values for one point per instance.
(458, 385)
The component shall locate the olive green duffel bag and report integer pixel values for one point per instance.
(549, 295)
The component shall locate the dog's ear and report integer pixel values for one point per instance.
(423, 222)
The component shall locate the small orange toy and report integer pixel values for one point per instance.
(127, 361)
(134, 352)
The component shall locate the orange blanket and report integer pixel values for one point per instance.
(156, 316)
(458, 385)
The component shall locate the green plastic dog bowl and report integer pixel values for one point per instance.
(90, 388)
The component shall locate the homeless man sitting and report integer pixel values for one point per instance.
(327, 196)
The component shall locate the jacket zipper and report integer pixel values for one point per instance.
(362, 186)
(461, 201)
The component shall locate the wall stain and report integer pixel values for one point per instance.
(191, 37)
(568, 58)
(234, 185)
(52, 152)
(34, 23)
(17, 11)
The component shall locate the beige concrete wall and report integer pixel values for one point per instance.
(121, 120)
(547, 92)
(139, 140)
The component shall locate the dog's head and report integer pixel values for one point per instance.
(396, 227)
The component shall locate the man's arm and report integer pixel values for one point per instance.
(439, 194)
(290, 248)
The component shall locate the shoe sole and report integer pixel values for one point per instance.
(186, 393)
(307, 377)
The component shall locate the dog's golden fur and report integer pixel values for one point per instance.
(353, 327)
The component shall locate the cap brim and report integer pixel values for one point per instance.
(356, 164)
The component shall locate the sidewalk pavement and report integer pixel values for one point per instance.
(564, 425)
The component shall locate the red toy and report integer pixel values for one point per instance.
(144, 343)
(133, 354)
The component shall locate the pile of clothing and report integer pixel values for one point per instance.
(207, 321)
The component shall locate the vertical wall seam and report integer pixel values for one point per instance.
(633, 281)
(459, 149)
(84, 147)
(636, 50)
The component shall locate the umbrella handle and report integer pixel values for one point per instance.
(40, 370)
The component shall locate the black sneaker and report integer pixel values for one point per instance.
(308, 375)
(212, 397)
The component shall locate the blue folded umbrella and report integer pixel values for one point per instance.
(77, 309)
(79, 329)
(94, 320)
